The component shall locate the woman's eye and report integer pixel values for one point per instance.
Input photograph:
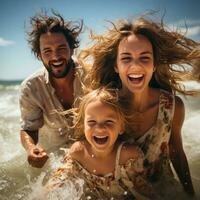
(145, 59)
(126, 59)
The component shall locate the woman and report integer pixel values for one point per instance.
(147, 63)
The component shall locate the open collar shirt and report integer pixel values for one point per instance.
(40, 108)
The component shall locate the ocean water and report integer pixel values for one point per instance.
(20, 182)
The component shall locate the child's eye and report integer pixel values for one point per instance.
(109, 122)
(91, 122)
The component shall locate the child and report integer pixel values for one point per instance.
(111, 168)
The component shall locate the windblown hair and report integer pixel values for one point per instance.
(42, 23)
(109, 97)
(174, 55)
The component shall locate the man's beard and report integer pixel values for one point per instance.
(68, 67)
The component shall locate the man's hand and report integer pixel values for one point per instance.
(37, 156)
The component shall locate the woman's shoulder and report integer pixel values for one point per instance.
(167, 100)
(179, 101)
(179, 112)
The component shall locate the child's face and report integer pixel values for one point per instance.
(135, 62)
(101, 125)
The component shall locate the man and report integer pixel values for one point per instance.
(51, 90)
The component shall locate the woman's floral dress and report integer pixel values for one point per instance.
(126, 182)
(155, 146)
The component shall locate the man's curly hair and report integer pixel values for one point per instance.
(42, 23)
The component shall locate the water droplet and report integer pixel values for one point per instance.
(94, 171)
(92, 155)
(108, 188)
(60, 129)
(112, 198)
(89, 197)
(125, 192)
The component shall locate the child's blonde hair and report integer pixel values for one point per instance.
(109, 97)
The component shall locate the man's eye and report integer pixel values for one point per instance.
(62, 49)
(47, 52)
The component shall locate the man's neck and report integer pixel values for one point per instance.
(61, 83)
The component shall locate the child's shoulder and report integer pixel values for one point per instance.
(77, 150)
(130, 151)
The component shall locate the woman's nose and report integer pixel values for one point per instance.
(135, 64)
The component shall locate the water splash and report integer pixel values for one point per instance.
(71, 189)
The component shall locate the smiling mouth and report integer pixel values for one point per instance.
(100, 139)
(136, 78)
(57, 64)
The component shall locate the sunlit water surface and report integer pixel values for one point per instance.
(18, 181)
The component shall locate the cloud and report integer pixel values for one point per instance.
(4, 42)
(193, 31)
(189, 27)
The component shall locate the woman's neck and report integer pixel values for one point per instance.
(144, 100)
(139, 100)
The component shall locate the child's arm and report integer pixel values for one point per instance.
(177, 154)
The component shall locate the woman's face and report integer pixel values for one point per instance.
(135, 63)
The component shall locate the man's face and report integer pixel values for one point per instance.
(55, 54)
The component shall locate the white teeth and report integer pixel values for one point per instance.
(57, 63)
(100, 136)
(135, 75)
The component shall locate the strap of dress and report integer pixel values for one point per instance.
(171, 100)
(173, 106)
(117, 166)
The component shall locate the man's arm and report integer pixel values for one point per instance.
(31, 119)
(29, 138)
(37, 156)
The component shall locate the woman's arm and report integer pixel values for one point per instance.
(177, 154)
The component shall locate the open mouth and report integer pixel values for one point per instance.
(57, 64)
(100, 139)
(136, 78)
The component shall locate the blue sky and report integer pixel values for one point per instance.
(16, 59)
